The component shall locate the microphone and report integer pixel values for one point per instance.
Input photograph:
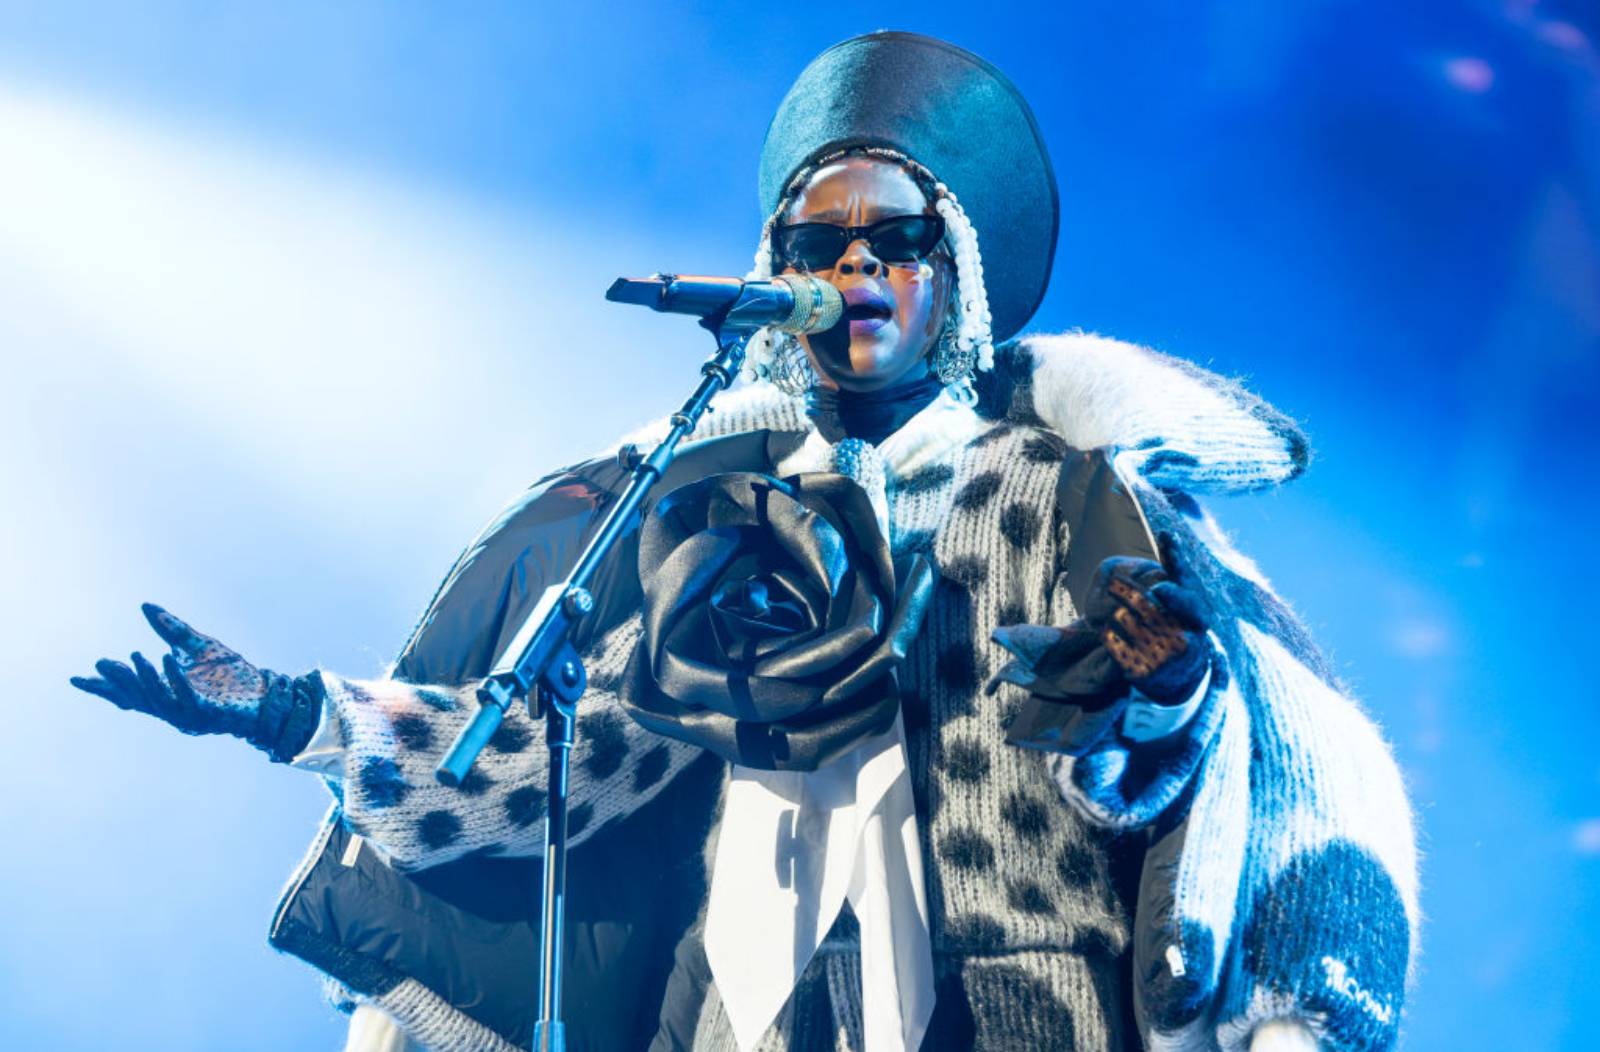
(791, 302)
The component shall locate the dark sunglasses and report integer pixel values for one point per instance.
(818, 246)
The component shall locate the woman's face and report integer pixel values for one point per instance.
(893, 311)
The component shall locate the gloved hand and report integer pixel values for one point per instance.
(1142, 627)
(1153, 623)
(209, 689)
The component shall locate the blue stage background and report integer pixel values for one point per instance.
(294, 296)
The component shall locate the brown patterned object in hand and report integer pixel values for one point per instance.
(1149, 637)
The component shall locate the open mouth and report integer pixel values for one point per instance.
(866, 312)
(864, 303)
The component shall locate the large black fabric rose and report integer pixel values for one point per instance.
(774, 619)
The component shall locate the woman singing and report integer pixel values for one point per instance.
(927, 706)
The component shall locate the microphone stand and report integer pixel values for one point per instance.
(541, 665)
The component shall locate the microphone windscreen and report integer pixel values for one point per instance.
(818, 306)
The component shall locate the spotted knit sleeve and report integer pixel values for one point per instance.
(1281, 884)
(394, 734)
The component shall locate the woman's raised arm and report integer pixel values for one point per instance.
(378, 741)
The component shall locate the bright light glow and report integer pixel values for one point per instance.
(1470, 74)
(276, 393)
(284, 305)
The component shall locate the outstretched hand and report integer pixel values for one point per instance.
(207, 688)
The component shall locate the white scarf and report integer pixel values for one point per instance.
(795, 845)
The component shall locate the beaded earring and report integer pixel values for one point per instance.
(788, 368)
(953, 364)
(770, 354)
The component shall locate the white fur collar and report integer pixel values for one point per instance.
(1194, 430)
(1200, 431)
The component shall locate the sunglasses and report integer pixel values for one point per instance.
(818, 246)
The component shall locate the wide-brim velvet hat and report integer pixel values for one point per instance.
(956, 115)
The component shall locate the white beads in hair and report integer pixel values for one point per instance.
(971, 299)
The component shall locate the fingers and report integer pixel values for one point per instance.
(120, 676)
(1144, 659)
(1129, 659)
(1141, 636)
(1139, 572)
(137, 688)
(102, 689)
(1166, 607)
(186, 703)
(1183, 604)
(1126, 657)
(1140, 603)
(1132, 629)
(1139, 620)
(149, 679)
(176, 632)
(1143, 611)
(1172, 558)
(1157, 641)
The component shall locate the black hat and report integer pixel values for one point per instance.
(954, 114)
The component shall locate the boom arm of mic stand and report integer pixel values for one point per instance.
(541, 652)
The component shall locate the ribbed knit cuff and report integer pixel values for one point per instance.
(288, 715)
(1121, 783)
(1147, 720)
(1265, 1011)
